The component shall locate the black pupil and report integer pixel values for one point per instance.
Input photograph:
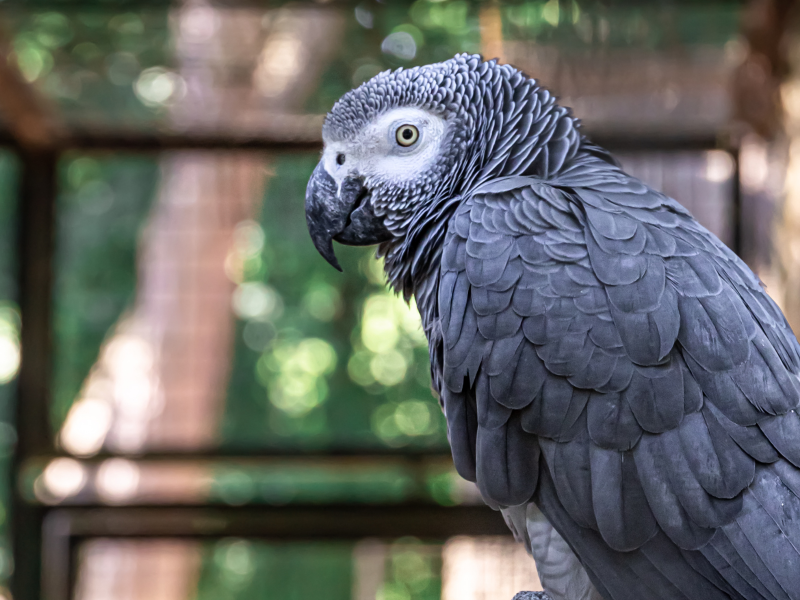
(340, 159)
(407, 133)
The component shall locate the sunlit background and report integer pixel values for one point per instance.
(200, 355)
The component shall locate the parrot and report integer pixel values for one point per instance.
(615, 380)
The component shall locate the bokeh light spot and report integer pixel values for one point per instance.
(413, 417)
(323, 302)
(388, 368)
(9, 353)
(254, 299)
(64, 477)
(158, 86)
(400, 45)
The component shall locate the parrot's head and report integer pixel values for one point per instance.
(401, 149)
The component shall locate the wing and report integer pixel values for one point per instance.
(592, 321)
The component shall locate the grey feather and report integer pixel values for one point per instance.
(624, 518)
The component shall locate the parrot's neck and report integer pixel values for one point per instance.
(412, 263)
(519, 130)
(533, 136)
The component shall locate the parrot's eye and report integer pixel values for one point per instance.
(407, 135)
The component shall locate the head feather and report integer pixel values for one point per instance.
(500, 123)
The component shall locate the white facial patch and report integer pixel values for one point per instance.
(377, 156)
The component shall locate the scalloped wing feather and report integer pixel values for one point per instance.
(592, 328)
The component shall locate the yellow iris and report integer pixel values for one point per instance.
(407, 135)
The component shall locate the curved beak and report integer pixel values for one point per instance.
(344, 215)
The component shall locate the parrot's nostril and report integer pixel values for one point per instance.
(340, 159)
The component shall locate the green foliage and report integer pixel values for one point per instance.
(9, 311)
(9, 342)
(237, 569)
(234, 569)
(95, 63)
(440, 29)
(576, 25)
(413, 572)
(9, 169)
(108, 64)
(312, 483)
(101, 208)
(322, 359)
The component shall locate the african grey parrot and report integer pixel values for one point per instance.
(615, 380)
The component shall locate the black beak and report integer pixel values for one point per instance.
(346, 217)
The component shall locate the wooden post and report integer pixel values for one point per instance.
(37, 200)
(36, 133)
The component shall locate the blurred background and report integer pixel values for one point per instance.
(193, 404)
